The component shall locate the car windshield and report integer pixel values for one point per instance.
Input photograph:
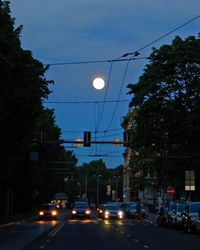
(195, 208)
(112, 207)
(46, 207)
(81, 205)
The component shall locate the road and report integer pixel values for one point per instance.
(67, 234)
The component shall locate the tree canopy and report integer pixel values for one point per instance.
(26, 126)
(165, 110)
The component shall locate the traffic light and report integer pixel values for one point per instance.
(87, 139)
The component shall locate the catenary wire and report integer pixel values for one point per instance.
(85, 102)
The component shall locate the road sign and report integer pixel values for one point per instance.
(170, 190)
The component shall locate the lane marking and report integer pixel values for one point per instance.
(56, 230)
(136, 240)
(145, 246)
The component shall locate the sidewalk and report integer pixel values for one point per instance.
(12, 219)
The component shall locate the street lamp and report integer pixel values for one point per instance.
(97, 188)
(117, 178)
(86, 186)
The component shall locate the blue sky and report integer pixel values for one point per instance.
(85, 30)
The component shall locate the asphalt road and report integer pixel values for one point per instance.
(95, 234)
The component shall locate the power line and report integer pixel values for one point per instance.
(100, 131)
(85, 102)
(165, 35)
(109, 76)
(95, 61)
(122, 84)
(122, 58)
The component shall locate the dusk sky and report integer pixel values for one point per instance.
(66, 31)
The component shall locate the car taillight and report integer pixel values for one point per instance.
(41, 213)
(54, 212)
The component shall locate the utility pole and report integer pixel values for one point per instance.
(86, 186)
(116, 194)
(97, 176)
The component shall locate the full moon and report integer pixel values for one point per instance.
(98, 83)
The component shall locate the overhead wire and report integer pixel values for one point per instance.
(85, 102)
(94, 61)
(136, 53)
(163, 36)
(107, 86)
(122, 59)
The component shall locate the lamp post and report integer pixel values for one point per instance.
(97, 176)
(117, 178)
(86, 186)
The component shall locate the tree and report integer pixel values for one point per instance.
(167, 99)
(24, 87)
(25, 125)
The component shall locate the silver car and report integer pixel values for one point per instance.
(113, 211)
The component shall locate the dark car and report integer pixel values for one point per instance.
(126, 206)
(81, 209)
(48, 211)
(113, 211)
(132, 211)
(101, 210)
(190, 215)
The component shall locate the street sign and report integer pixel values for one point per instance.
(170, 191)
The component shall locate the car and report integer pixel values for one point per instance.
(132, 211)
(81, 209)
(101, 210)
(190, 216)
(126, 206)
(113, 211)
(48, 211)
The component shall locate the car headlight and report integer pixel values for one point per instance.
(87, 211)
(54, 212)
(120, 213)
(106, 213)
(41, 213)
(73, 211)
